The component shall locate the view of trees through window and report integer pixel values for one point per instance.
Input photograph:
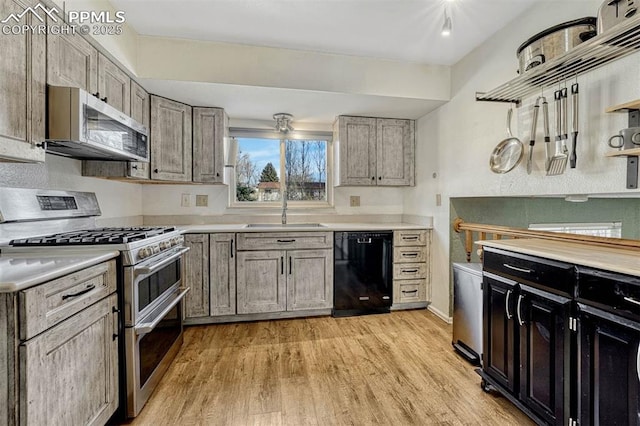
(261, 177)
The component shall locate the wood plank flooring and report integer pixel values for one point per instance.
(391, 369)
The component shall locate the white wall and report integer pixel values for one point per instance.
(457, 139)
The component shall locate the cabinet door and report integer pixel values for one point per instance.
(544, 353)
(69, 374)
(395, 152)
(357, 150)
(196, 272)
(114, 85)
(609, 369)
(140, 111)
(498, 332)
(261, 283)
(222, 278)
(170, 140)
(209, 131)
(309, 279)
(22, 89)
(72, 61)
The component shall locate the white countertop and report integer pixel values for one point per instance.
(242, 227)
(609, 259)
(19, 271)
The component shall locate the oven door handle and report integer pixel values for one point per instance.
(146, 270)
(147, 327)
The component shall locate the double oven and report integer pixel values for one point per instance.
(150, 270)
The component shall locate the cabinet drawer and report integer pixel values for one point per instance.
(409, 254)
(410, 238)
(46, 305)
(405, 271)
(406, 291)
(530, 269)
(284, 240)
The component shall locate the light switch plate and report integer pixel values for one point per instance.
(354, 201)
(185, 200)
(438, 200)
(202, 200)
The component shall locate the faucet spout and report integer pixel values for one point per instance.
(284, 207)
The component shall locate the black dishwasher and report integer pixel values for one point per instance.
(363, 273)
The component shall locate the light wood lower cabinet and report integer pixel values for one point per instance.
(261, 285)
(196, 275)
(411, 268)
(310, 279)
(58, 351)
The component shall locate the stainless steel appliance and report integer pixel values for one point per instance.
(149, 278)
(363, 273)
(613, 12)
(467, 310)
(83, 126)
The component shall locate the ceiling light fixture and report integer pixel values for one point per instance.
(446, 26)
(283, 122)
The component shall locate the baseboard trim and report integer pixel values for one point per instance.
(437, 312)
(257, 317)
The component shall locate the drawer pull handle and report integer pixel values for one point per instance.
(638, 362)
(409, 291)
(286, 241)
(410, 237)
(80, 293)
(520, 322)
(409, 271)
(515, 268)
(506, 304)
(409, 254)
(632, 300)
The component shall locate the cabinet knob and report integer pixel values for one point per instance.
(217, 174)
(373, 178)
(97, 95)
(379, 177)
(134, 166)
(155, 170)
(104, 99)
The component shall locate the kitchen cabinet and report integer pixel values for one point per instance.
(410, 269)
(210, 128)
(609, 369)
(374, 151)
(210, 272)
(284, 271)
(59, 351)
(22, 88)
(114, 85)
(171, 147)
(72, 61)
(125, 170)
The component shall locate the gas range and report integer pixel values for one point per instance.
(135, 243)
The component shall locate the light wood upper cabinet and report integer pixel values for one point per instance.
(196, 275)
(141, 112)
(114, 85)
(222, 276)
(72, 61)
(22, 90)
(374, 151)
(309, 279)
(170, 140)
(210, 127)
(261, 282)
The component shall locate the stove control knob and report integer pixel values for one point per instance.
(164, 245)
(143, 253)
(175, 241)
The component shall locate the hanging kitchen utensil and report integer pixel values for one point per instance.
(532, 141)
(508, 153)
(557, 162)
(574, 125)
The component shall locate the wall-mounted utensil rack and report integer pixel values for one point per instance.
(616, 43)
(632, 154)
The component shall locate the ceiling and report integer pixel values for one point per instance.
(402, 30)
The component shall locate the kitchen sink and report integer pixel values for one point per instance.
(286, 225)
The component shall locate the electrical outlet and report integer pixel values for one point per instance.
(438, 200)
(354, 201)
(202, 200)
(186, 200)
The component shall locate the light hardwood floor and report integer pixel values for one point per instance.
(392, 369)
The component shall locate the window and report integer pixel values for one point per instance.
(267, 168)
(609, 229)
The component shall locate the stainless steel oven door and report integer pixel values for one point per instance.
(150, 347)
(148, 283)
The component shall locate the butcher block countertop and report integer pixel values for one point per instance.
(624, 261)
(297, 227)
(19, 271)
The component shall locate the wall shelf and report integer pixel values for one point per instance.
(635, 152)
(616, 43)
(629, 151)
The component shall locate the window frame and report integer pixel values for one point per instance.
(295, 135)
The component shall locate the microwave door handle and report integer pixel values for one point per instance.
(146, 270)
(147, 327)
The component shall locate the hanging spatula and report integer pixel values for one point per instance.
(557, 162)
(532, 141)
(574, 125)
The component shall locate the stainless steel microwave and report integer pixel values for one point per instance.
(83, 126)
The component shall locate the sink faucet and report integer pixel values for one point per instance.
(284, 207)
